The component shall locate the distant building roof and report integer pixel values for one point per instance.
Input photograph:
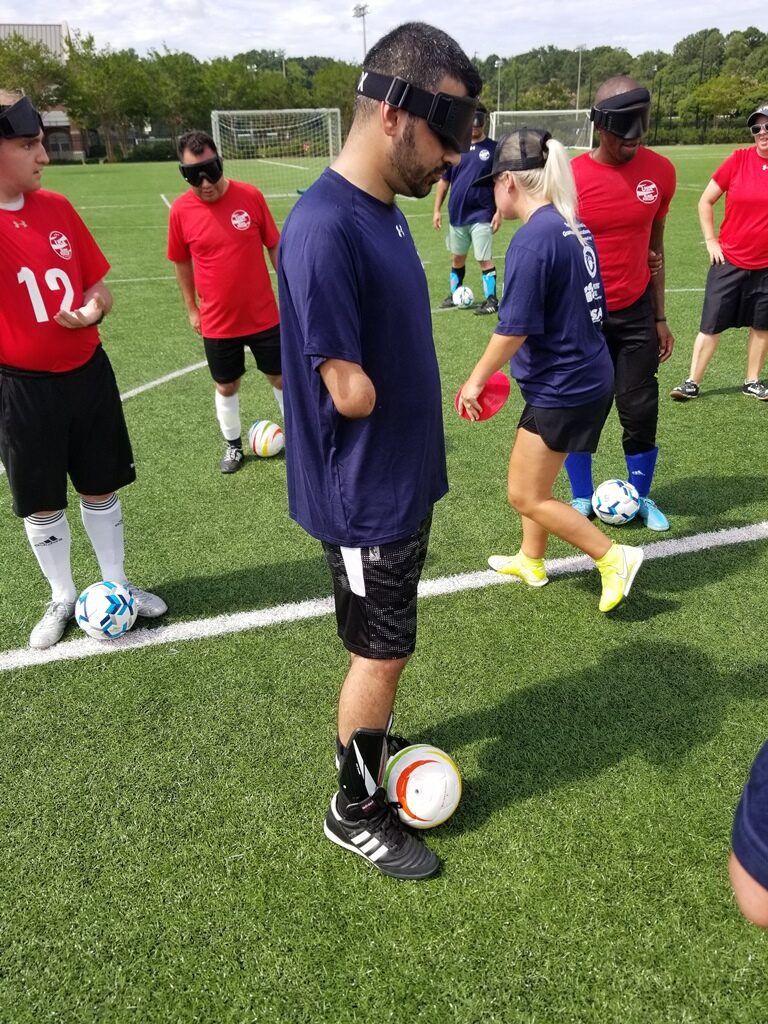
(51, 36)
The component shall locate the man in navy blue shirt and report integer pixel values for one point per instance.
(366, 454)
(472, 213)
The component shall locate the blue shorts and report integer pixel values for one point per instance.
(750, 826)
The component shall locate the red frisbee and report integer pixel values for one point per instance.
(491, 398)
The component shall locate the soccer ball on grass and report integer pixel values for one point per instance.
(615, 502)
(463, 296)
(424, 784)
(266, 439)
(106, 610)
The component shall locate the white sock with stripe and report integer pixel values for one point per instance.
(50, 540)
(103, 522)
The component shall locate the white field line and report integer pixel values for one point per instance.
(136, 280)
(161, 380)
(165, 200)
(279, 163)
(119, 206)
(301, 611)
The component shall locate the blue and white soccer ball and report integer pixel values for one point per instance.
(463, 296)
(616, 502)
(106, 610)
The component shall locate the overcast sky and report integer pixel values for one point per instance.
(212, 28)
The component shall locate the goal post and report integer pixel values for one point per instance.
(279, 151)
(571, 127)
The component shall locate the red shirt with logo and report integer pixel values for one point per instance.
(48, 260)
(619, 204)
(226, 241)
(744, 231)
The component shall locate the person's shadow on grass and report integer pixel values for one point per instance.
(641, 698)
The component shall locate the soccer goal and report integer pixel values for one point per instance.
(279, 151)
(571, 127)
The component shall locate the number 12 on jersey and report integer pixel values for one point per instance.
(55, 280)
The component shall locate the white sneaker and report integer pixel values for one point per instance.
(150, 606)
(50, 629)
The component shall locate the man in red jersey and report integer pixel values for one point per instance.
(624, 194)
(61, 410)
(216, 238)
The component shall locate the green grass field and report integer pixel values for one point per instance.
(161, 845)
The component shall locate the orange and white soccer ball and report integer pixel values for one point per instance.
(424, 783)
(266, 438)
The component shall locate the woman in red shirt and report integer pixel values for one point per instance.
(736, 294)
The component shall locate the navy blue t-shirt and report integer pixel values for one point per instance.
(553, 293)
(467, 204)
(750, 826)
(352, 287)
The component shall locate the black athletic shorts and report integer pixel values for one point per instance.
(734, 298)
(54, 424)
(375, 594)
(226, 356)
(568, 430)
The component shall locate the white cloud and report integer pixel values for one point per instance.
(300, 28)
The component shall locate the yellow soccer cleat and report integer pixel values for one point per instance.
(529, 570)
(618, 568)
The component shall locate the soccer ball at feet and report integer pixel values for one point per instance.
(266, 438)
(463, 296)
(615, 502)
(424, 784)
(106, 610)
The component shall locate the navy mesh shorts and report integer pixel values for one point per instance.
(375, 590)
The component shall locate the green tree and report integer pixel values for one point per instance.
(334, 85)
(31, 68)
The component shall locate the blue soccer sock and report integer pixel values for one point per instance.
(457, 276)
(489, 282)
(640, 469)
(578, 466)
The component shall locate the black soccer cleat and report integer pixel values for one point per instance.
(373, 831)
(233, 458)
(491, 305)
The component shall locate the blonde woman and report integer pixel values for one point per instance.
(550, 329)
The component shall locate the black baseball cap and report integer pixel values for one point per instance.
(756, 113)
(522, 150)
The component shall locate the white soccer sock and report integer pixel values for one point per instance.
(278, 393)
(50, 540)
(103, 522)
(228, 415)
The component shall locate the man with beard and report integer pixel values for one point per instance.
(366, 453)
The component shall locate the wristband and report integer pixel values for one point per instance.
(661, 319)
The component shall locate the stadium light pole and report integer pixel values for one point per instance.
(580, 50)
(360, 11)
(498, 65)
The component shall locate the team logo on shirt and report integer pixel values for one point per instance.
(590, 261)
(483, 155)
(60, 244)
(647, 191)
(399, 230)
(241, 220)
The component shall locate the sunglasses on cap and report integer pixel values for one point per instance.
(205, 170)
(757, 128)
(450, 117)
(20, 120)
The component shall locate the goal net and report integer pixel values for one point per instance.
(279, 151)
(571, 127)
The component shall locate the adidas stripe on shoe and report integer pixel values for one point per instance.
(372, 830)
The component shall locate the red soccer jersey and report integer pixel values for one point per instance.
(619, 205)
(744, 231)
(48, 260)
(226, 241)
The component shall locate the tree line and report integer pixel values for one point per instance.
(702, 91)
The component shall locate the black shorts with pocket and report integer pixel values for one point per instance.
(226, 356)
(734, 297)
(375, 591)
(568, 430)
(58, 424)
